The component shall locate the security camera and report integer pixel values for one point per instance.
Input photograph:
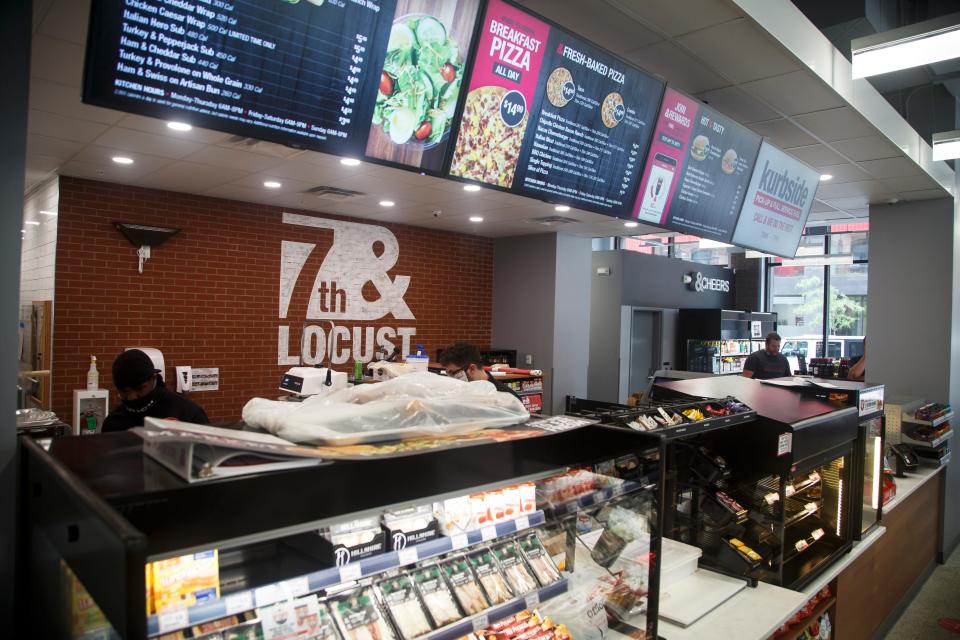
(437, 213)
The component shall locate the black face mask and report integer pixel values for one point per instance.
(144, 403)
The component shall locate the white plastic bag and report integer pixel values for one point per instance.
(412, 405)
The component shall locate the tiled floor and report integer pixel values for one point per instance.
(939, 598)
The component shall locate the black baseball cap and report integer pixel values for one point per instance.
(132, 368)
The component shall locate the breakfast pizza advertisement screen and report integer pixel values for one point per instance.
(551, 116)
(697, 171)
(777, 203)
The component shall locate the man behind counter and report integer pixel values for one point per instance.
(143, 394)
(463, 362)
(767, 362)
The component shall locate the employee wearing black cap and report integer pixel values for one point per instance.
(143, 394)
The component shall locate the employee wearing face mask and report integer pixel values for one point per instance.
(462, 361)
(143, 395)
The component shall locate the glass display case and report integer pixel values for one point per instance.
(508, 536)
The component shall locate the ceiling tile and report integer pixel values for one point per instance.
(848, 203)
(821, 207)
(51, 147)
(740, 50)
(56, 60)
(140, 142)
(159, 127)
(64, 100)
(108, 171)
(871, 189)
(836, 124)
(101, 156)
(679, 67)
(816, 155)
(232, 159)
(867, 148)
(782, 133)
(891, 168)
(794, 93)
(911, 183)
(676, 17)
(52, 125)
(67, 20)
(841, 173)
(43, 164)
(737, 104)
(925, 194)
(190, 177)
(597, 22)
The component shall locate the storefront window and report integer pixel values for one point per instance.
(652, 244)
(797, 298)
(848, 307)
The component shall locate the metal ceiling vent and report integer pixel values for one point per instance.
(552, 221)
(333, 193)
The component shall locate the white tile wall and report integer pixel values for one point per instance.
(39, 252)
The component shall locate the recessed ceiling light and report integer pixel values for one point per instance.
(32, 222)
(562, 208)
(631, 225)
(349, 162)
(122, 160)
(471, 187)
(48, 213)
(387, 203)
(826, 176)
(179, 126)
(272, 184)
(476, 219)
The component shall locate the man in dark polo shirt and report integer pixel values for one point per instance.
(767, 362)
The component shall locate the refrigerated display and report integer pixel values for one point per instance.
(521, 523)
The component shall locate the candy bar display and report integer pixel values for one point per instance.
(404, 606)
(465, 585)
(360, 618)
(538, 559)
(436, 596)
(514, 568)
(484, 566)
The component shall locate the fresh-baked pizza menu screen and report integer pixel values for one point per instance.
(551, 116)
(697, 171)
(299, 72)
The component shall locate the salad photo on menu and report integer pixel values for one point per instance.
(420, 81)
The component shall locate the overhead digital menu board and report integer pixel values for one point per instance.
(307, 73)
(777, 203)
(552, 116)
(697, 170)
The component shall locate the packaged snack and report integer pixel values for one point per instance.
(254, 631)
(480, 506)
(404, 606)
(455, 515)
(360, 618)
(511, 502)
(539, 560)
(436, 596)
(494, 585)
(528, 497)
(300, 618)
(465, 586)
(185, 580)
(514, 568)
(409, 526)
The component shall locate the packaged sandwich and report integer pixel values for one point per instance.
(436, 596)
(465, 585)
(495, 587)
(514, 568)
(404, 606)
(538, 559)
(360, 618)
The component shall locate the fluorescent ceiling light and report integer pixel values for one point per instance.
(272, 184)
(826, 176)
(349, 162)
(179, 126)
(48, 213)
(33, 222)
(946, 145)
(122, 160)
(387, 203)
(471, 187)
(562, 208)
(816, 261)
(911, 46)
(476, 219)
(631, 225)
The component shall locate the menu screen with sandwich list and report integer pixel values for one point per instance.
(697, 171)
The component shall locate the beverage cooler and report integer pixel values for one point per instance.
(719, 340)
(773, 500)
(540, 534)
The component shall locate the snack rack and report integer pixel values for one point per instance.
(107, 522)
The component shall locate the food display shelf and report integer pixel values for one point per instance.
(932, 444)
(928, 423)
(794, 548)
(240, 601)
(593, 498)
(483, 620)
(699, 426)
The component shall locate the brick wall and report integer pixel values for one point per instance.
(209, 297)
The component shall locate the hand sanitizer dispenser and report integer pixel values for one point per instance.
(90, 409)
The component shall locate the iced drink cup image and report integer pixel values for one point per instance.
(658, 189)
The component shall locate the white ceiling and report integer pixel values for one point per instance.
(688, 42)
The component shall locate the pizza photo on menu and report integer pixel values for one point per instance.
(488, 147)
(560, 87)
